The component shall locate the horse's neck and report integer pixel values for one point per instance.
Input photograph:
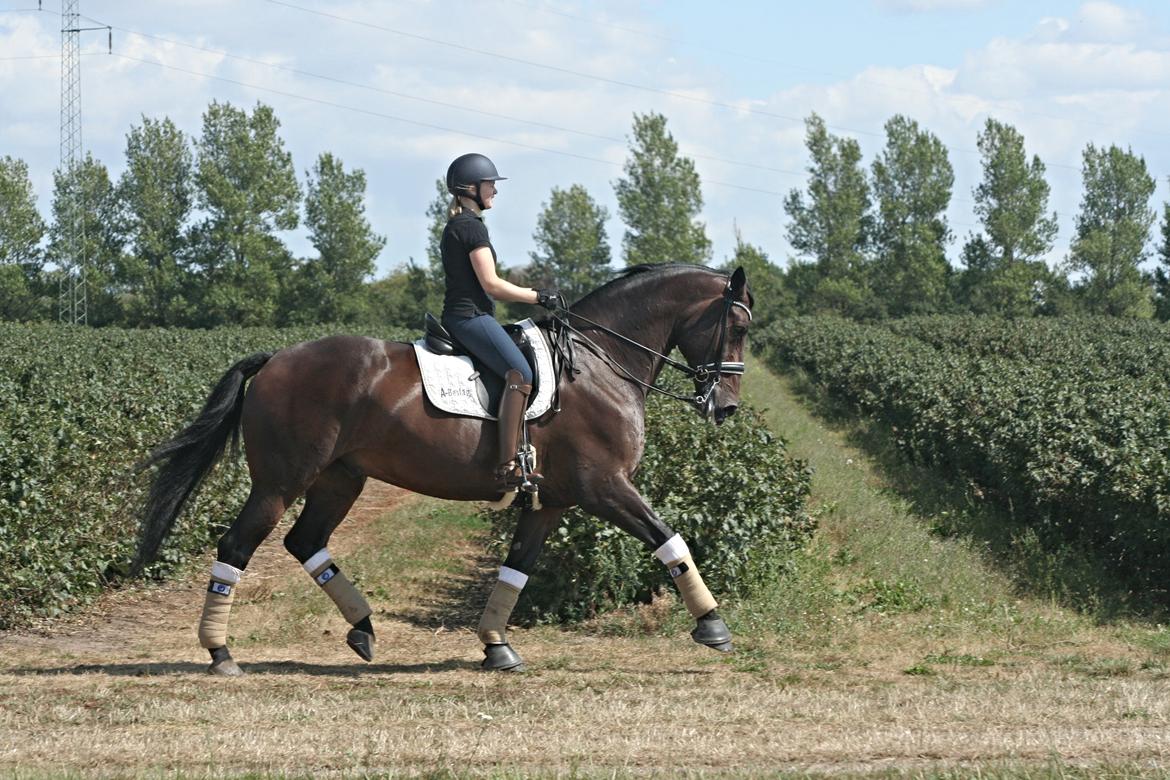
(651, 323)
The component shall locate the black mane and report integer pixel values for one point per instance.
(639, 272)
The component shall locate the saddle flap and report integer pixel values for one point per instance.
(455, 384)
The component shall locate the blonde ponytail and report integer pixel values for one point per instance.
(455, 209)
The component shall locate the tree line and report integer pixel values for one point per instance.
(189, 234)
(874, 242)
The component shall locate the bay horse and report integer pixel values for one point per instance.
(321, 417)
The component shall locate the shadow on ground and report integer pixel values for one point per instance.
(260, 668)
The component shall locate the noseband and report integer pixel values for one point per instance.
(706, 376)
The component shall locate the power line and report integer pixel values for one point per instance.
(418, 123)
(592, 76)
(432, 101)
(918, 90)
(555, 68)
(431, 126)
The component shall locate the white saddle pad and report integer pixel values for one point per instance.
(449, 380)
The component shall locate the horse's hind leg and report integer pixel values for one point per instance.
(256, 520)
(327, 502)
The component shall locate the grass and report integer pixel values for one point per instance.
(888, 566)
(884, 650)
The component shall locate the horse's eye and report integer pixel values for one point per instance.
(739, 331)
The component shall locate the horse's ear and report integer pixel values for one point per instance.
(738, 280)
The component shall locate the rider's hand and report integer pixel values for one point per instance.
(549, 299)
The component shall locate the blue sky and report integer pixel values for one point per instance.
(734, 80)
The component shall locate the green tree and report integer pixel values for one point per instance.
(833, 227)
(247, 186)
(660, 198)
(155, 194)
(1012, 204)
(402, 297)
(329, 288)
(102, 239)
(1111, 233)
(912, 180)
(572, 249)
(21, 232)
(1162, 272)
(765, 280)
(437, 211)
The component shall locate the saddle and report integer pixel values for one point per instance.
(459, 383)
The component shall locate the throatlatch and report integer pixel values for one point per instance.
(217, 606)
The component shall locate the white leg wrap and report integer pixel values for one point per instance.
(677, 558)
(493, 625)
(217, 605)
(337, 586)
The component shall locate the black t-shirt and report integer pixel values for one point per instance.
(465, 232)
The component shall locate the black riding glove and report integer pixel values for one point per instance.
(549, 299)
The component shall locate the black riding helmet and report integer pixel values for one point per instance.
(469, 170)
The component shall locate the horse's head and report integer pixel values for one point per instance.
(711, 337)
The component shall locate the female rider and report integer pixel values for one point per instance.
(469, 265)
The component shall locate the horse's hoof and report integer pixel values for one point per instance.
(713, 632)
(225, 668)
(501, 658)
(362, 643)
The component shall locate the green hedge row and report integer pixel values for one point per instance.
(79, 408)
(1067, 422)
(732, 492)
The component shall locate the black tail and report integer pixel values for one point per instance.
(187, 458)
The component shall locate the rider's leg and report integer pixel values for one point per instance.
(488, 341)
(510, 417)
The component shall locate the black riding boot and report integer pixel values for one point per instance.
(511, 417)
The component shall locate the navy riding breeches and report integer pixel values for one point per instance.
(485, 338)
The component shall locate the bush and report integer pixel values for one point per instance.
(79, 408)
(732, 492)
(1065, 422)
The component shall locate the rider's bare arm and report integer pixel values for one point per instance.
(493, 285)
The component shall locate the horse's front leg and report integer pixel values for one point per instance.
(622, 504)
(532, 529)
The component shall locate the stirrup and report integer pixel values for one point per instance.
(514, 478)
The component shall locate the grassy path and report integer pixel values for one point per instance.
(884, 650)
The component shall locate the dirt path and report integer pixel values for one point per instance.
(124, 622)
(122, 690)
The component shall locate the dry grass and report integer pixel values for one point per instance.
(121, 690)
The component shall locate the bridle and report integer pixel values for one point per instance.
(706, 376)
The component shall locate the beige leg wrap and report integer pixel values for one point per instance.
(686, 576)
(493, 625)
(337, 586)
(217, 606)
(690, 584)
